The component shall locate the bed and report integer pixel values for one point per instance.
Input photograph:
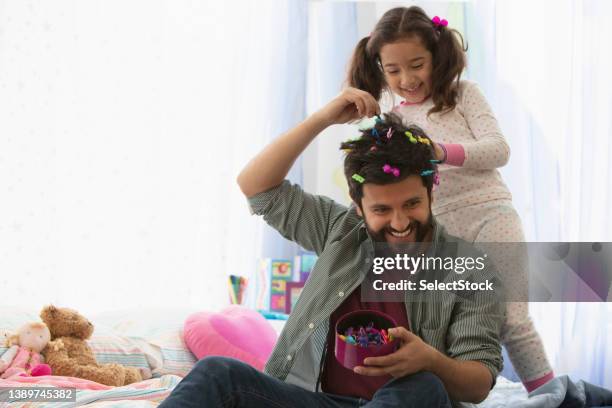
(153, 339)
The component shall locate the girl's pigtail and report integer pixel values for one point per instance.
(449, 62)
(364, 72)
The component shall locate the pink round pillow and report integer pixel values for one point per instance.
(235, 332)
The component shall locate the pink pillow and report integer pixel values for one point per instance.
(235, 332)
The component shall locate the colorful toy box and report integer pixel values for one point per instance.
(272, 278)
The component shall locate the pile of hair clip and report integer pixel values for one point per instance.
(366, 336)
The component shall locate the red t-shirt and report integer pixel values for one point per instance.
(339, 380)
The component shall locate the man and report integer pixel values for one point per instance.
(452, 349)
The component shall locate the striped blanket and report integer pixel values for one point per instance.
(147, 393)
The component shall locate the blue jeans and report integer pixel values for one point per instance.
(219, 382)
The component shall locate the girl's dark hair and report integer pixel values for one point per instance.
(445, 45)
(366, 156)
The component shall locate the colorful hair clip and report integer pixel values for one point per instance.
(393, 170)
(367, 123)
(373, 148)
(424, 140)
(435, 161)
(358, 178)
(389, 133)
(410, 137)
(436, 179)
(439, 22)
(375, 132)
(427, 172)
(378, 119)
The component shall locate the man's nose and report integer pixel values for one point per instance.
(399, 222)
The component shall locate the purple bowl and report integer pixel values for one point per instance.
(351, 355)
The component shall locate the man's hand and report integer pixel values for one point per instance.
(414, 355)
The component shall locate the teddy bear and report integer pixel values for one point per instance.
(23, 356)
(69, 354)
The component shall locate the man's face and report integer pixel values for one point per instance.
(398, 212)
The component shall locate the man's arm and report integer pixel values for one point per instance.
(468, 381)
(270, 167)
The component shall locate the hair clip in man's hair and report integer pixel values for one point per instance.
(353, 139)
(427, 172)
(358, 178)
(434, 161)
(436, 179)
(367, 123)
(389, 133)
(410, 136)
(375, 132)
(439, 22)
(391, 170)
(423, 140)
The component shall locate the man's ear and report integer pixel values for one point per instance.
(358, 209)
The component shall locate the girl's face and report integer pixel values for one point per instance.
(407, 68)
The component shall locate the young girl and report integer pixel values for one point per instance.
(421, 60)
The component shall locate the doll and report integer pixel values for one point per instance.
(23, 356)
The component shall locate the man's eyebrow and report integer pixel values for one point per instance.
(411, 199)
(372, 206)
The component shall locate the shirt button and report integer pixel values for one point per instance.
(311, 326)
(341, 293)
(289, 358)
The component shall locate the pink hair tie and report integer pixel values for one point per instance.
(389, 133)
(439, 22)
(393, 170)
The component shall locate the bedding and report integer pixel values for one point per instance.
(131, 337)
(145, 393)
(155, 338)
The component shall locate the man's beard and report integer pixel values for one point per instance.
(420, 229)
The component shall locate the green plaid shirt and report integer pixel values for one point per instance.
(460, 329)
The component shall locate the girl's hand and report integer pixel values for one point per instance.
(440, 154)
(351, 104)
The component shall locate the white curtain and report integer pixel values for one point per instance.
(123, 125)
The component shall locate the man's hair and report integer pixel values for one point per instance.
(367, 156)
